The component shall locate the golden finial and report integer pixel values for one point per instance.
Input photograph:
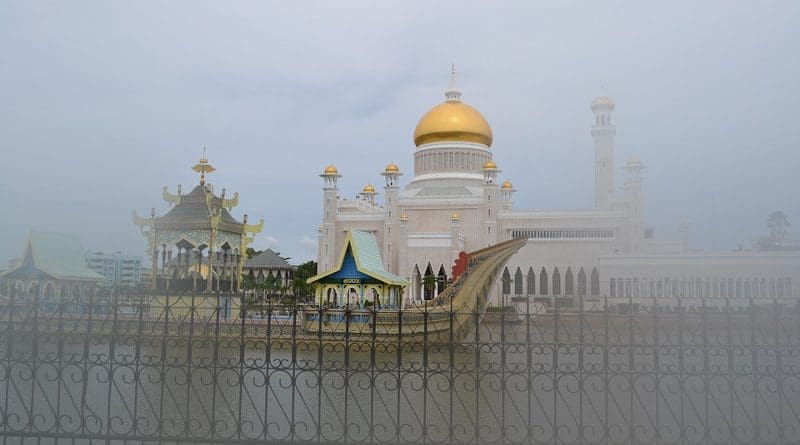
(203, 167)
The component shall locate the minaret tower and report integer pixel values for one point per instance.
(391, 229)
(327, 238)
(603, 132)
(491, 203)
(633, 197)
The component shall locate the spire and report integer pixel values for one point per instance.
(203, 167)
(452, 93)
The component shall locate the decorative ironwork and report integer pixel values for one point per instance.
(228, 369)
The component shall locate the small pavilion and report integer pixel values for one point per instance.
(52, 269)
(359, 278)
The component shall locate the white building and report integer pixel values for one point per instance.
(117, 269)
(455, 202)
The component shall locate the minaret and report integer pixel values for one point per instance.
(455, 237)
(391, 232)
(330, 190)
(603, 132)
(507, 190)
(491, 204)
(633, 197)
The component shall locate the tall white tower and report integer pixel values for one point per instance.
(633, 198)
(327, 231)
(603, 132)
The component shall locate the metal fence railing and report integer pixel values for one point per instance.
(215, 369)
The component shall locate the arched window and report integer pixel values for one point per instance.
(788, 287)
(518, 282)
(581, 282)
(556, 282)
(739, 290)
(506, 282)
(441, 280)
(660, 290)
(595, 283)
(543, 282)
(612, 288)
(652, 288)
(569, 286)
(620, 287)
(763, 287)
(531, 289)
(780, 287)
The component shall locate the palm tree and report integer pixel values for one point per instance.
(429, 282)
(778, 223)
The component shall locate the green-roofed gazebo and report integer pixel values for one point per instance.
(52, 268)
(359, 278)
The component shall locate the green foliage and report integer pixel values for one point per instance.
(300, 288)
(778, 224)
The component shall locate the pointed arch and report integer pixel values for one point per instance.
(428, 291)
(518, 281)
(531, 289)
(612, 287)
(581, 282)
(595, 283)
(506, 280)
(556, 281)
(441, 280)
(569, 285)
(543, 282)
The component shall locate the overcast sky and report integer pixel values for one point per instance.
(103, 103)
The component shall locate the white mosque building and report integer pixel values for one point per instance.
(454, 201)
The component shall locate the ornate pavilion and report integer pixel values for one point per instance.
(359, 278)
(197, 245)
(52, 269)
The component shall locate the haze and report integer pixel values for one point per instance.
(103, 103)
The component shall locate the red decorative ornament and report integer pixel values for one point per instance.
(462, 261)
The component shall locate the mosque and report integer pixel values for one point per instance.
(455, 201)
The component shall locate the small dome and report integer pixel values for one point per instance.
(456, 216)
(603, 102)
(634, 161)
(506, 186)
(403, 217)
(369, 188)
(489, 165)
(330, 170)
(392, 168)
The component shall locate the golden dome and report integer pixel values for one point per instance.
(603, 101)
(403, 217)
(369, 188)
(506, 186)
(453, 120)
(392, 168)
(634, 161)
(489, 165)
(456, 216)
(330, 170)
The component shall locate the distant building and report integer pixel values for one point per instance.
(52, 268)
(117, 269)
(269, 263)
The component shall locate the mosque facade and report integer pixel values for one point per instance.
(455, 201)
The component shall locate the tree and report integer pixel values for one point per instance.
(429, 283)
(300, 288)
(778, 223)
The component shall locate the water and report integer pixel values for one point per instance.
(599, 382)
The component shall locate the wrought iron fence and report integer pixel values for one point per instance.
(214, 369)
